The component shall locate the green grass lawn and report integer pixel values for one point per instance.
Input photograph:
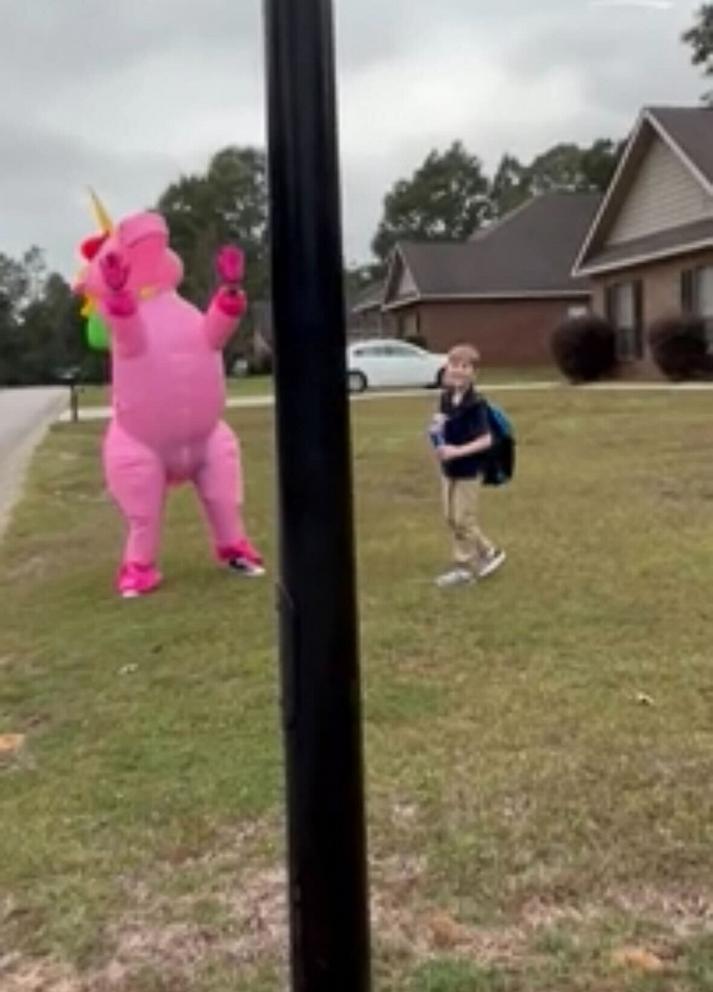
(539, 748)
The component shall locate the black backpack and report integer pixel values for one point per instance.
(499, 459)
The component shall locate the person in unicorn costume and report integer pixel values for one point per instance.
(168, 391)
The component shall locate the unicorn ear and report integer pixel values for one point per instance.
(101, 214)
(91, 246)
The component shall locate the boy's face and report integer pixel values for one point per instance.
(459, 373)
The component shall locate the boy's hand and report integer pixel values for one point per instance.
(448, 452)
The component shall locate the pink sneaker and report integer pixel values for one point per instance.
(244, 559)
(136, 580)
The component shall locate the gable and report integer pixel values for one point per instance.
(663, 194)
(400, 283)
(406, 285)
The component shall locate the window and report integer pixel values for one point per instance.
(409, 324)
(403, 351)
(697, 295)
(704, 291)
(624, 310)
(697, 291)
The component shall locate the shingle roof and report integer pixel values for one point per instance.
(691, 128)
(368, 298)
(677, 239)
(530, 251)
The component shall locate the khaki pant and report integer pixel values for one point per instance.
(460, 503)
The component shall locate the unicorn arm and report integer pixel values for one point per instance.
(223, 316)
(125, 323)
(119, 307)
(229, 303)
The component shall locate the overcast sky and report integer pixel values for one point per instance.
(129, 95)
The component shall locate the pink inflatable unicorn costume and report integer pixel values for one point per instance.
(168, 393)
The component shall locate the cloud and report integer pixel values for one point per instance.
(129, 96)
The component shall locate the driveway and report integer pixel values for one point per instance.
(25, 415)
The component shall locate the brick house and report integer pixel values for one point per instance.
(505, 290)
(649, 251)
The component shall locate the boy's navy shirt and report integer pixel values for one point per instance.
(465, 422)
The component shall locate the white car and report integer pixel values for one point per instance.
(382, 362)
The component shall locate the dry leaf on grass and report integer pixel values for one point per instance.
(640, 959)
(10, 744)
(445, 931)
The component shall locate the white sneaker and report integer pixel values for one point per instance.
(491, 562)
(244, 566)
(247, 560)
(456, 577)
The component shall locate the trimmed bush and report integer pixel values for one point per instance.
(584, 348)
(679, 347)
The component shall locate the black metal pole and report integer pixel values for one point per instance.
(317, 592)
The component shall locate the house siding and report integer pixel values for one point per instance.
(664, 195)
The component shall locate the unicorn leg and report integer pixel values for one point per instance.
(220, 487)
(136, 478)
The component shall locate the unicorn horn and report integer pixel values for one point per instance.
(104, 221)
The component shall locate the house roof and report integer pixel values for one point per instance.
(369, 298)
(688, 131)
(691, 128)
(530, 252)
(662, 244)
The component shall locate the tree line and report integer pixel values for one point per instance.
(447, 197)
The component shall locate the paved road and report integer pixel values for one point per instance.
(25, 415)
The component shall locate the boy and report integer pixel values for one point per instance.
(461, 433)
